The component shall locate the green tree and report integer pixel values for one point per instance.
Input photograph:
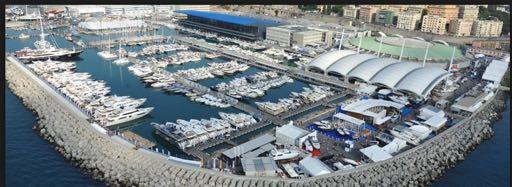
(483, 13)
(338, 9)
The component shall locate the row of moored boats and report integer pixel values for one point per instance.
(190, 133)
(254, 85)
(91, 96)
(296, 100)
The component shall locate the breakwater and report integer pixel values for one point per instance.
(116, 163)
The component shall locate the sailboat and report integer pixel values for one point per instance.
(107, 54)
(121, 60)
(45, 50)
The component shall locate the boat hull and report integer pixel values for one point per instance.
(62, 57)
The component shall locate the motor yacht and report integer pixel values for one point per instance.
(283, 154)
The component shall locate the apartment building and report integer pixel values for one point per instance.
(433, 24)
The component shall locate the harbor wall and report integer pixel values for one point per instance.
(117, 163)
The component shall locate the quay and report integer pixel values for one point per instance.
(138, 140)
(129, 41)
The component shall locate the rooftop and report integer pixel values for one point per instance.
(240, 20)
(248, 146)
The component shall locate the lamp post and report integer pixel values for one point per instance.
(425, 57)
(402, 51)
(380, 45)
(341, 39)
(359, 46)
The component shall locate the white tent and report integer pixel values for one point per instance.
(394, 146)
(375, 153)
(314, 167)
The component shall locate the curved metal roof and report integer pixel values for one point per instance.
(346, 64)
(369, 68)
(421, 81)
(392, 74)
(325, 60)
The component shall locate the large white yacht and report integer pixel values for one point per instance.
(44, 50)
(126, 115)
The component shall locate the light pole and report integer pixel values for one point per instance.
(380, 45)
(425, 57)
(341, 39)
(402, 51)
(359, 46)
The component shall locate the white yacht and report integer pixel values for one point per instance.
(283, 154)
(314, 141)
(127, 115)
(308, 145)
(23, 36)
(107, 54)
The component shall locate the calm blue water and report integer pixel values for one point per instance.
(488, 164)
(30, 159)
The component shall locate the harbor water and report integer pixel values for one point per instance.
(31, 161)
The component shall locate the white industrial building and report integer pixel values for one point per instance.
(314, 167)
(129, 10)
(259, 167)
(297, 35)
(290, 135)
(96, 25)
(495, 71)
(373, 109)
(407, 77)
(77, 10)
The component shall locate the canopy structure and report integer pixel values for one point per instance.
(366, 70)
(344, 65)
(392, 74)
(325, 60)
(421, 81)
(407, 77)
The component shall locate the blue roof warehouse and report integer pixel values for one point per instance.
(234, 26)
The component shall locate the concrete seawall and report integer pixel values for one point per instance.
(115, 163)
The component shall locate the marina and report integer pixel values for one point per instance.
(243, 103)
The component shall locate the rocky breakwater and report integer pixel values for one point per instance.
(117, 163)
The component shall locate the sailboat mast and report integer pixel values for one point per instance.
(41, 23)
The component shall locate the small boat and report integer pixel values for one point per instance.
(23, 36)
(341, 132)
(325, 126)
(314, 141)
(350, 161)
(308, 145)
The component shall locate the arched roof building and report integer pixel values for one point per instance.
(344, 65)
(422, 80)
(366, 70)
(322, 62)
(392, 74)
(407, 77)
